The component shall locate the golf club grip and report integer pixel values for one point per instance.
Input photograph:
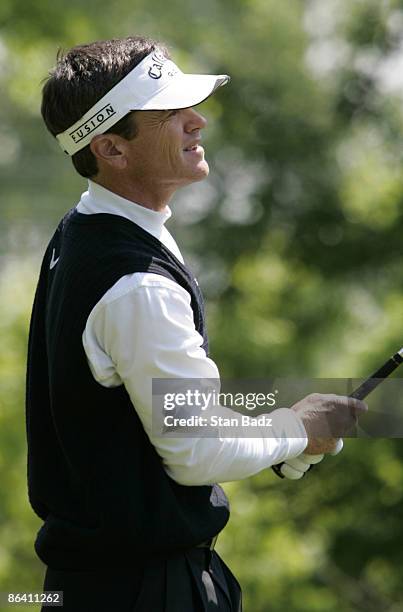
(377, 377)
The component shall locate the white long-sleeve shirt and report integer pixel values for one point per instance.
(143, 328)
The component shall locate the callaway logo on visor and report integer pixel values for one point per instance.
(156, 83)
(155, 71)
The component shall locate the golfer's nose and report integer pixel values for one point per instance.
(194, 120)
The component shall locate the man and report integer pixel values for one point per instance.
(130, 518)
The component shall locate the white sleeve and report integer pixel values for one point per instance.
(145, 330)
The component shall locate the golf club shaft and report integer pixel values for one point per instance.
(377, 377)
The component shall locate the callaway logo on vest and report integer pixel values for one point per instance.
(53, 261)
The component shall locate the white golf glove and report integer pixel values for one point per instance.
(294, 469)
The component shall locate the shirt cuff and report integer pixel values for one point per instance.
(288, 425)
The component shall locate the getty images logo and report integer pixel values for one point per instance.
(155, 70)
(92, 123)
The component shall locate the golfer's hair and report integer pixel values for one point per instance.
(81, 77)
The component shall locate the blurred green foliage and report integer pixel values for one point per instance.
(296, 238)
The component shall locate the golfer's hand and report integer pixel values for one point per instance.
(326, 418)
(294, 469)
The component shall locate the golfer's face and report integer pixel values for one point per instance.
(167, 147)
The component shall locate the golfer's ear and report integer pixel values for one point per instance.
(109, 149)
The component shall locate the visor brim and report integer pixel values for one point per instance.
(186, 90)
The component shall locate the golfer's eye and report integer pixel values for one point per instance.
(173, 112)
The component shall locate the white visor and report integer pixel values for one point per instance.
(156, 83)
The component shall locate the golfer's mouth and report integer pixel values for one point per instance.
(194, 149)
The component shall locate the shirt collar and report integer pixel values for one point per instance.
(100, 200)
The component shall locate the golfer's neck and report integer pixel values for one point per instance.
(155, 197)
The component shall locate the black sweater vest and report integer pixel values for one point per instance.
(93, 475)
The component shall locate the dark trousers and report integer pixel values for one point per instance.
(194, 581)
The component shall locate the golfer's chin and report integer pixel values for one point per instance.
(202, 170)
(195, 173)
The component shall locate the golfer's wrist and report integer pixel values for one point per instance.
(287, 424)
